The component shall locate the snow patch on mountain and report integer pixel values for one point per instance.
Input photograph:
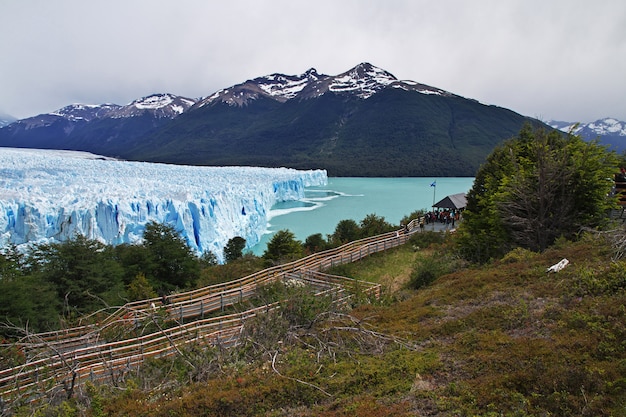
(564, 126)
(160, 101)
(609, 131)
(608, 126)
(286, 86)
(420, 88)
(363, 80)
(86, 112)
(49, 196)
(602, 127)
(277, 86)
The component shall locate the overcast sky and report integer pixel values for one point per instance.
(550, 59)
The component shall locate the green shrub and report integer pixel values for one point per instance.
(427, 238)
(428, 268)
(592, 281)
(518, 255)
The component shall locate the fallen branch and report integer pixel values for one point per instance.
(296, 379)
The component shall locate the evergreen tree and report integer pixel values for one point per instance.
(345, 231)
(234, 248)
(84, 272)
(533, 189)
(172, 263)
(315, 243)
(135, 259)
(208, 259)
(29, 302)
(140, 289)
(373, 225)
(282, 248)
(11, 263)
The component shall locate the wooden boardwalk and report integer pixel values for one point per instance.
(57, 361)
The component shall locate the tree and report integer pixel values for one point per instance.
(234, 248)
(208, 259)
(135, 259)
(172, 263)
(315, 243)
(373, 225)
(240, 267)
(282, 248)
(28, 301)
(140, 288)
(345, 231)
(415, 215)
(534, 189)
(11, 262)
(83, 271)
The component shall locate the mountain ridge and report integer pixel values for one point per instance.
(609, 131)
(362, 122)
(105, 128)
(363, 81)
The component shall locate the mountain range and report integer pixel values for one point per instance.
(608, 131)
(107, 129)
(363, 122)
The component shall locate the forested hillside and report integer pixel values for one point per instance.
(393, 133)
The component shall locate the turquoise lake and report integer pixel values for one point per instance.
(354, 198)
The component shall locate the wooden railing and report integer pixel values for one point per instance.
(59, 360)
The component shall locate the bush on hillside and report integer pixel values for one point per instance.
(430, 267)
(532, 190)
(427, 238)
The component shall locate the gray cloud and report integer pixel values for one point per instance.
(560, 59)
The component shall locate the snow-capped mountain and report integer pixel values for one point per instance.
(160, 105)
(362, 81)
(103, 128)
(49, 196)
(608, 131)
(362, 122)
(156, 105)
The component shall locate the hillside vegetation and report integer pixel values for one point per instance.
(507, 338)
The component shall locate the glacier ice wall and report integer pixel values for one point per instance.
(49, 196)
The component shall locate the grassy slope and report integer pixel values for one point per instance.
(505, 339)
(514, 340)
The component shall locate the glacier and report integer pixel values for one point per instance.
(50, 196)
